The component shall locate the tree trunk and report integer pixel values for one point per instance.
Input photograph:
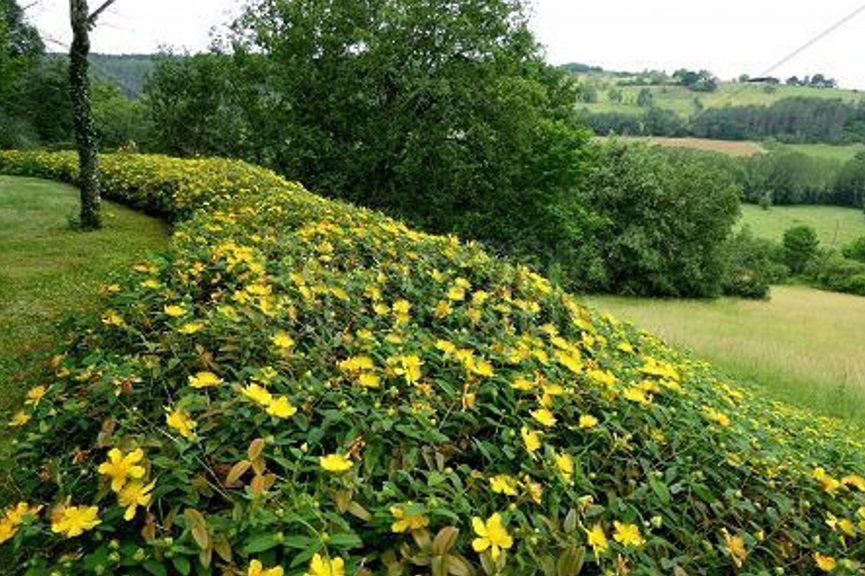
(85, 129)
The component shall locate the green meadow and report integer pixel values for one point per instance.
(803, 345)
(49, 270)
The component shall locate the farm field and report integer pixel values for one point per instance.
(835, 225)
(804, 345)
(729, 147)
(47, 269)
(841, 153)
(685, 102)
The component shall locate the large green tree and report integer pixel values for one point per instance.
(441, 112)
(659, 222)
(20, 47)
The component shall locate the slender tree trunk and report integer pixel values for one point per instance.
(85, 129)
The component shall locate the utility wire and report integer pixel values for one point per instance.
(813, 40)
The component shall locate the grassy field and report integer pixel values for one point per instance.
(804, 345)
(835, 225)
(827, 151)
(47, 269)
(684, 102)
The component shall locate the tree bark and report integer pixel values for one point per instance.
(85, 129)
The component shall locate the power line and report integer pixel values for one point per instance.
(813, 40)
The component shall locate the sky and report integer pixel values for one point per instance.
(729, 38)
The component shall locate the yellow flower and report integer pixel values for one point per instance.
(281, 408)
(716, 416)
(481, 368)
(326, 567)
(588, 421)
(409, 368)
(179, 420)
(174, 310)
(191, 328)
(445, 346)
(830, 484)
(121, 467)
(257, 394)
(336, 463)
(34, 395)
(7, 531)
(825, 563)
(851, 480)
(544, 416)
(204, 380)
(257, 569)
(735, 548)
(570, 361)
(282, 340)
(456, 293)
(846, 526)
(13, 518)
(442, 309)
(531, 439)
(134, 494)
(638, 395)
(401, 307)
(20, 419)
(522, 384)
(597, 539)
(504, 484)
(627, 534)
(407, 518)
(491, 535)
(16, 515)
(369, 380)
(112, 318)
(74, 521)
(565, 464)
(357, 364)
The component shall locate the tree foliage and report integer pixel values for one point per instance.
(800, 247)
(440, 112)
(661, 220)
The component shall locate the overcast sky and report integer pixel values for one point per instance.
(728, 37)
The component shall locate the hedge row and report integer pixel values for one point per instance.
(304, 387)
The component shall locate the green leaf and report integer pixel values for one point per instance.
(259, 543)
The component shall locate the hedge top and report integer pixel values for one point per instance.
(305, 387)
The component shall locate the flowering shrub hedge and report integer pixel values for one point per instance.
(303, 387)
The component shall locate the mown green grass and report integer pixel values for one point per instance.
(47, 269)
(836, 226)
(804, 346)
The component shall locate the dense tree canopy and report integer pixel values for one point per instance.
(441, 112)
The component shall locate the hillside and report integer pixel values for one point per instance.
(685, 102)
(301, 382)
(126, 70)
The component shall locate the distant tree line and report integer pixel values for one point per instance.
(793, 120)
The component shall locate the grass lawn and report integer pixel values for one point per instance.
(835, 225)
(48, 269)
(804, 346)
